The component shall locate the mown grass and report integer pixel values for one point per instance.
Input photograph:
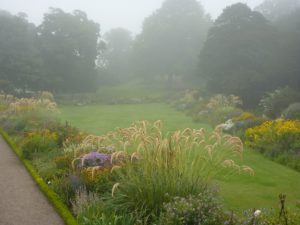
(239, 191)
(100, 119)
(133, 89)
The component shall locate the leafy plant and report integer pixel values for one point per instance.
(277, 139)
(292, 112)
(180, 164)
(192, 210)
(95, 213)
(273, 103)
(37, 142)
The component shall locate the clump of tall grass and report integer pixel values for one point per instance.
(179, 164)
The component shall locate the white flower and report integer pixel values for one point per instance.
(257, 213)
(227, 125)
(49, 182)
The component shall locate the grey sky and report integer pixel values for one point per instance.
(109, 13)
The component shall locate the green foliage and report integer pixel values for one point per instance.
(214, 110)
(38, 142)
(69, 47)
(47, 168)
(117, 56)
(277, 139)
(95, 213)
(180, 164)
(292, 112)
(289, 26)
(53, 56)
(239, 55)
(62, 187)
(269, 180)
(273, 103)
(276, 9)
(269, 217)
(20, 62)
(192, 210)
(171, 40)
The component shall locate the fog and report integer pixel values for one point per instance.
(109, 13)
(82, 83)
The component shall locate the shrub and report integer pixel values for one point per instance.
(38, 142)
(192, 210)
(220, 101)
(274, 137)
(274, 103)
(63, 162)
(63, 187)
(292, 112)
(13, 125)
(47, 168)
(244, 121)
(66, 133)
(95, 213)
(278, 139)
(180, 164)
(31, 104)
(269, 217)
(33, 112)
(5, 101)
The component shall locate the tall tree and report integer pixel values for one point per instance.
(275, 9)
(20, 64)
(69, 47)
(239, 56)
(118, 54)
(289, 26)
(171, 40)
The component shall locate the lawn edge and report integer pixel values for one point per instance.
(52, 197)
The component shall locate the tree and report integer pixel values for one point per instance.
(19, 58)
(171, 39)
(289, 26)
(118, 54)
(275, 9)
(239, 56)
(69, 47)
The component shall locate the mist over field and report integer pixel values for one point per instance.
(152, 112)
(110, 14)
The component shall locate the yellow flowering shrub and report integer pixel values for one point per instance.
(244, 116)
(276, 136)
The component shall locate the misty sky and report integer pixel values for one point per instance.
(109, 13)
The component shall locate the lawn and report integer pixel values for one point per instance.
(100, 119)
(238, 191)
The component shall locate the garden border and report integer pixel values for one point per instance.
(52, 197)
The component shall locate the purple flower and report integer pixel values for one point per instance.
(95, 159)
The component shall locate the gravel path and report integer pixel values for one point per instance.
(21, 201)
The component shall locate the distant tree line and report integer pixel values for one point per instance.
(247, 55)
(58, 55)
(243, 52)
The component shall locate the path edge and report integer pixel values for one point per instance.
(52, 197)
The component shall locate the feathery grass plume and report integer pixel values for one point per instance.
(134, 156)
(95, 169)
(76, 162)
(178, 163)
(114, 188)
(22, 105)
(248, 169)
(115, 168)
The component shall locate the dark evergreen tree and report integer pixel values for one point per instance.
(240, 54)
